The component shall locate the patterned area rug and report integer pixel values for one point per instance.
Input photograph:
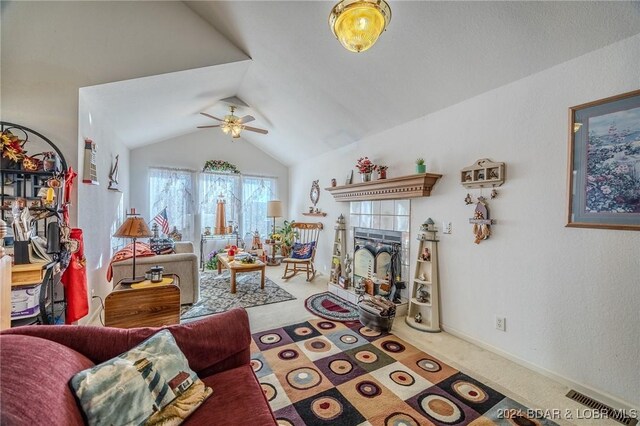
(215, 293)
(323, 372)
(329, 306)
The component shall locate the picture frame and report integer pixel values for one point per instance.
(604, 163)
(349, 180)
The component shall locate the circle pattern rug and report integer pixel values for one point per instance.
(216, 297)
(329, 306)
(322, 372)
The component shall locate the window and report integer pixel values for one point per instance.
(173, 189)
(245, 199)
(214, 186)
(256, 191)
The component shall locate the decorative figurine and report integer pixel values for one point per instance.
(426, 255)
(422, 294)
(423, 276)
(113, 176)
(334, 182)
(418, 317)
(468, 200)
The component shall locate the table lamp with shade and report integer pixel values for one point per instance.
(134, 227)
(274, 210)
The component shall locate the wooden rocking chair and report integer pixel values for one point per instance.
(307, 233)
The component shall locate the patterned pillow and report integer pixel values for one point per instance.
(302, 251)
(150, 384)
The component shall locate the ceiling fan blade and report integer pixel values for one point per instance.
(246, 119)
(208, 127)
(211, 116)
(255, 129)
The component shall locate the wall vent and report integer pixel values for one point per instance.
(604, 410)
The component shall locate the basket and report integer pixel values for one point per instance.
(369, 317)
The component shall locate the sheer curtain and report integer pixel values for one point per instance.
(212, 186)
(256, 192)
(173, 189)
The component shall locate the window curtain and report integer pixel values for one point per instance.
(173, 189)
(256, 192)
(213, 186)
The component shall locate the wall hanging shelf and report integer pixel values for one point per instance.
(320, 214)
(411, 186)
(484, 173)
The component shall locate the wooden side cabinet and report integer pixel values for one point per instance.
(156, 306)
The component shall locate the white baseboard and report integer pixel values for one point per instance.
(603, 397)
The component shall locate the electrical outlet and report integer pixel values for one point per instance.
(446, 227)
(501, 323)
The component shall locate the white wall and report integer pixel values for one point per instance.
(103, 210)
(191, 151)
(570, 295)
(51, 49)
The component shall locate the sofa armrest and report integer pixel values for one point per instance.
(215, 343)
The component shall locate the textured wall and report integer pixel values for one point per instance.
(570, 296)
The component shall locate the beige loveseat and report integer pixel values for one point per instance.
(184, 264)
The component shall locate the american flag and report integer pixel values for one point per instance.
(162, 221)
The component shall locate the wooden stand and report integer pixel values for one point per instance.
(425, 279)
(127, 307)
(339, 252)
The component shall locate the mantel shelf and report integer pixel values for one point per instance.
(399, 188)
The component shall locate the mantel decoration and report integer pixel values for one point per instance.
(365, 168)
(382, 171)
(357, 24)
(220, 166)
(420, 166)
(604, 163)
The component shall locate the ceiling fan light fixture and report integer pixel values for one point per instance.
(357, 24)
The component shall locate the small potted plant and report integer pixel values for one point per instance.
(382, 171)
(365, 168)
(420, 166)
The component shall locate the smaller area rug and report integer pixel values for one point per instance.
(322, 372)
(216, 297)
(329, 306)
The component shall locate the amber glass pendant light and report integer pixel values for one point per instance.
(357, 24)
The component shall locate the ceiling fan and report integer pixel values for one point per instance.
(232, 124)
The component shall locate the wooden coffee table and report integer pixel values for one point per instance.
(238, 267)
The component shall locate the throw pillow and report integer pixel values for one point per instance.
(162, 245)
(302, 251)
(149, 384)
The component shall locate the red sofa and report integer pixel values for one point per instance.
(36, 363)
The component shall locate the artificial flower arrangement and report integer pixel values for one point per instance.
(382, 171)
(219, 166)
(212, 260)
(12, 148)
(365, 166)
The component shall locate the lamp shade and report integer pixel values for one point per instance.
(133, 227)
(274, 208)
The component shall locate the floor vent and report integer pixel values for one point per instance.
(605, 410)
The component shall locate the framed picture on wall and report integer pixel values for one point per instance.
(604, 163)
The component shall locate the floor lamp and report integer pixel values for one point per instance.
(274, 210)
(134, 227)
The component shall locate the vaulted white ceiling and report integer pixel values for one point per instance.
(314, 96)
(317, 96)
